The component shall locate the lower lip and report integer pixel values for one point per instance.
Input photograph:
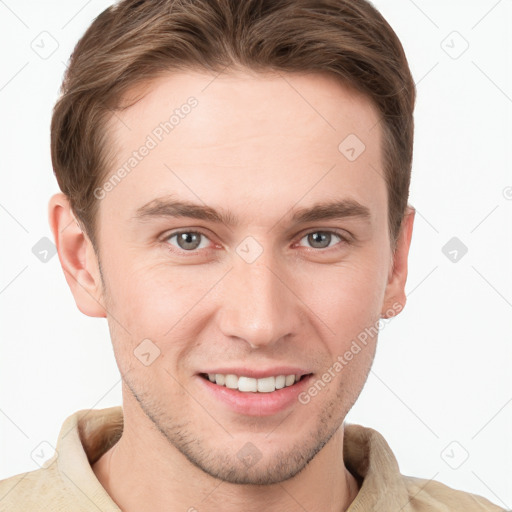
(256, 404)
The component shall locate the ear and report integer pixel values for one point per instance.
(394, 297)
(77, 257)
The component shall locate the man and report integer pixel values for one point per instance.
(234, 182)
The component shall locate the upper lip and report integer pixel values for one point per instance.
(259, 373)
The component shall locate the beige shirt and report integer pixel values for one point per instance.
(66, 482)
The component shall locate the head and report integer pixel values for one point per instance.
(234, 182)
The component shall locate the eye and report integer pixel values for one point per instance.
(190, 241)
(187, 240)
(323, 239)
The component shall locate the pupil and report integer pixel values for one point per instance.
(188, 238)
(319, 237)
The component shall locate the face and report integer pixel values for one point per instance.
(219, 258)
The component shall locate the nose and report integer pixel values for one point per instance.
(257, 303)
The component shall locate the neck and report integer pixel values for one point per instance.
(144, 472)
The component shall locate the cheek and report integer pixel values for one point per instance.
(152, 305)
(348, 301)
(158, 301)
(347, 296)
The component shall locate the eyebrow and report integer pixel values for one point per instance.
(167, 207)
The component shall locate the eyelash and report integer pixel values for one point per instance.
(343, 240)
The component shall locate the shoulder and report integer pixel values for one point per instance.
(40, 489)
(430, 495)
(66, 481)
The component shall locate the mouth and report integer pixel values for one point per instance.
(255, 392)
(246, 384)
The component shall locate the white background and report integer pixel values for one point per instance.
(441, 382)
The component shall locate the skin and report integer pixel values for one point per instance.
(255, 147)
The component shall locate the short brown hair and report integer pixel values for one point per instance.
(134, 41)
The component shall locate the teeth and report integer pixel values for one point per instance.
(290, 379)
(266, 385)
(231, 381)
(250, 385)
(280, 382)
(247, 384)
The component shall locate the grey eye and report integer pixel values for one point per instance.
(320, 239)
(188, 240)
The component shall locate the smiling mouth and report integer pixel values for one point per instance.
(252, 385)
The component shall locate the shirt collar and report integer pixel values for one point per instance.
(88, 433)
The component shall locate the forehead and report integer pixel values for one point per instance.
(257, 102)
(274, 138)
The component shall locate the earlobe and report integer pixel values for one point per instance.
(395, 297)
(77, 257)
